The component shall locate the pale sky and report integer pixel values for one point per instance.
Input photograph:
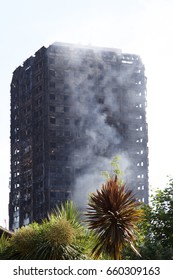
(144, 27)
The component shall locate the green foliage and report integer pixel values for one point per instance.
(112, 214)
(24, 241)
(115, 165)
(115, 170)
(86, 240)
(55, 238)
(156, 230)
(59, 232)
(160, 222)
(4, 244)
(69, 212)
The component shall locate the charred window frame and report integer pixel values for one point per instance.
(52, 96)
(52, 120)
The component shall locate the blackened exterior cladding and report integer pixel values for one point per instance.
(134, 112)
(39, 131)
(56, 97)
(21, 194)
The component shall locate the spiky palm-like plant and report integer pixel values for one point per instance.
(4, 244)
(55, 239)
(69, 212)
(112, 214)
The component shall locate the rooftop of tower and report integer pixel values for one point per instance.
(96, 48)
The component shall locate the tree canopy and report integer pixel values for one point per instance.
(155, 240)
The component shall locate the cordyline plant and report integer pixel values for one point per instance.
(112, 214)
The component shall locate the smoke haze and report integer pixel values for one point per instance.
(97, 138)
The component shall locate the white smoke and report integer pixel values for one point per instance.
(94, 96)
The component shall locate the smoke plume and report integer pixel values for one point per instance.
(94, 88)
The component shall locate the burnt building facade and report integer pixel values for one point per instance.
(73, 108)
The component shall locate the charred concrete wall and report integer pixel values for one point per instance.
(73, 109)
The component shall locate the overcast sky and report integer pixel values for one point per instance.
(144, 27)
